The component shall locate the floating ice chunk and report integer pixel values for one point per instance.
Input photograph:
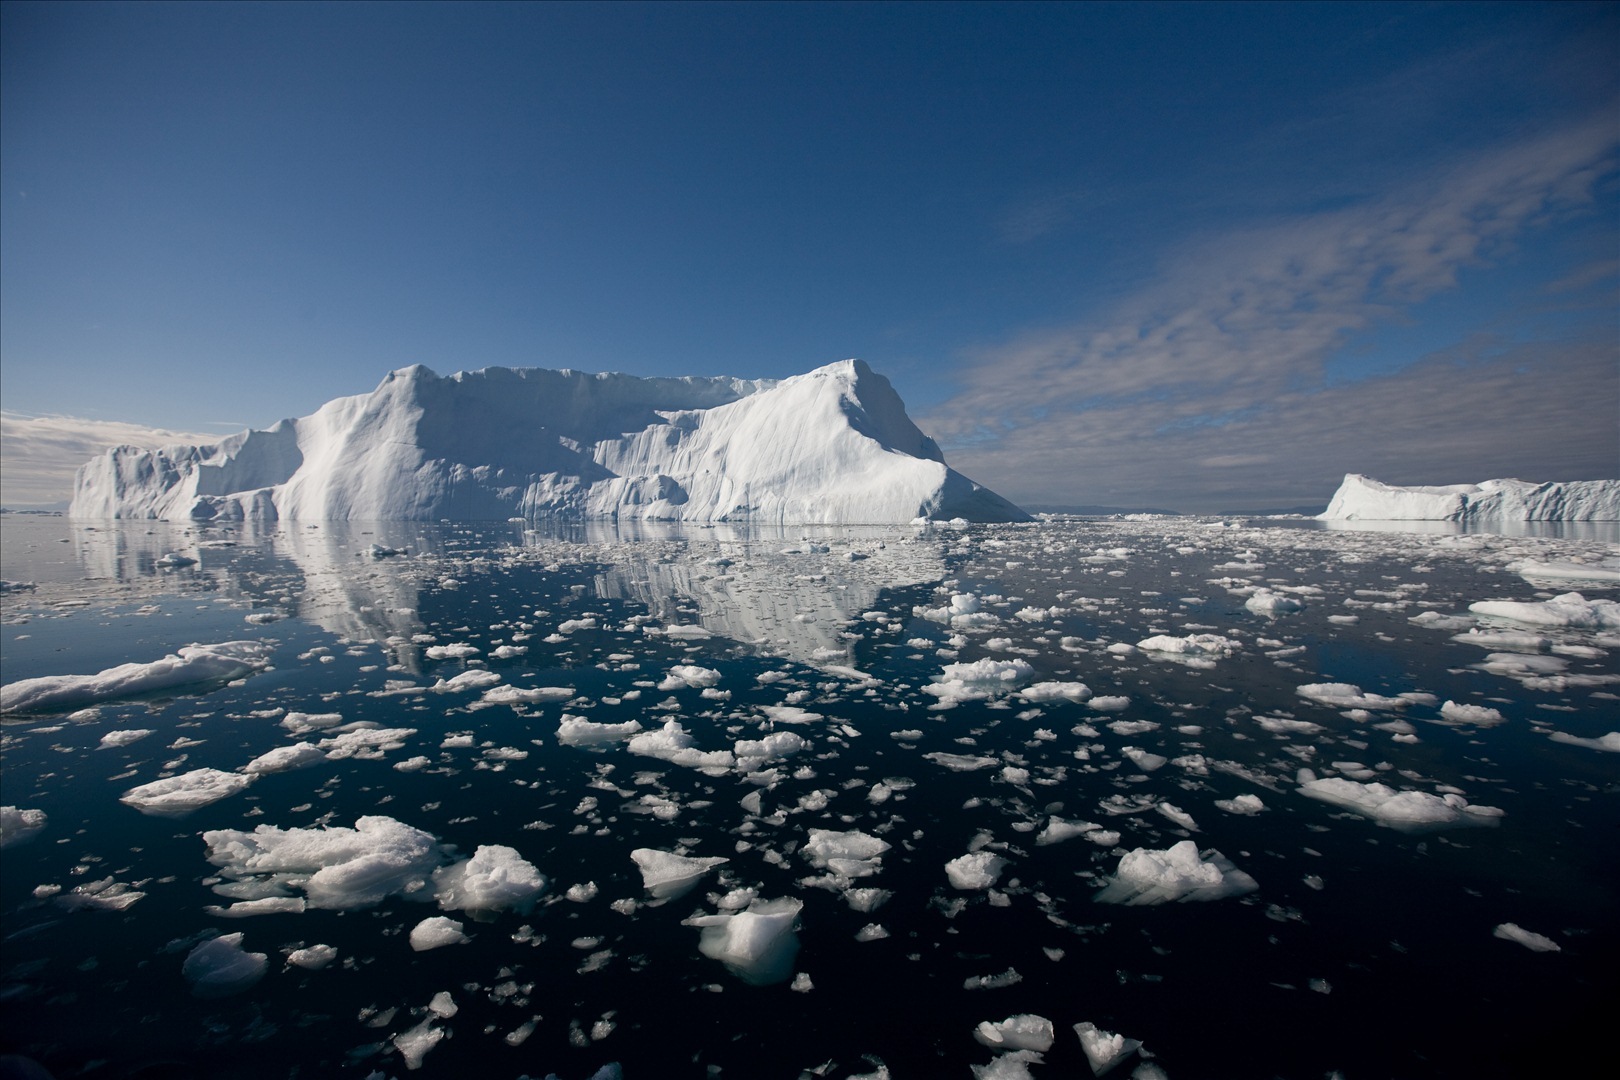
(192, 666)
(757, 945)
(496, 878)
(17, 826)
(365, 742)
(286, 758)
(468, 681)
(220, 967)
(977, 680)
(1178, 815)
(1056, 691)
(1110, 703)
(1179, 872)
(1532, 941)
(312, 958)
(1058, 830)
(851, 854)
(413, 1045)
(1266, 602)
(1241, 804)
(582, 893)
(103, 895)
(1571, 609)
(1142, 759)
(977, 870)
(337, 868)
(514, 695)
(789, 714)
(578, 731)
(443, 1005)
(123, 737)
(960, 762)
(1190, 647)
(457, 651)
(671, 743)
(1104, 1049)
(1609, 742)
(436, 931)
(871, 932)
(866, 900)
(1607, 571)
(1522, 640)
(1470, 714)
(1009, 1066)
(689, 675)
(269, 905)
(1408, 811)
(1338, 695)
(177, 796)
(667, 875)
(992, 982)
(752, 753)
(1023, 1032)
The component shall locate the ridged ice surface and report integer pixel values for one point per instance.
(1363, 498)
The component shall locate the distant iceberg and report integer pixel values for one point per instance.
(831, 446)
(1363, 498)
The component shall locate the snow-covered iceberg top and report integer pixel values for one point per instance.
(1365, 499)
(831, 446)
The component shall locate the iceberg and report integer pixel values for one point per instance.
(667, 875)
(220, 967)
(832, 446)
(757, 945)
(1363, 498)
(194, 665)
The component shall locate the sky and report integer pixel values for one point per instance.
(1207, 257)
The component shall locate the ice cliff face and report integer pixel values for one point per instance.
(833, 445)
(1364, 498)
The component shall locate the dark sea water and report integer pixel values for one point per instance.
(1365, 950)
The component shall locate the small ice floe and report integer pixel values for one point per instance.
(269, 905)
(17, 826)
(1407, 811)
(192, 666)
(1193, 650)
(1609, 742)
(1605, 572)
(844, 855)
(1347, 696)
(220, 967)
(382, 551)
(1104, 1049)
(1241, 804)
(974, 871)
(1530, 940)
(1058, 830)
(453, 651)
(960, 762)
(414, 1043)
(286, 758)
(1571, 610)
(689, 675)
(515, 695)
(757, 945)
(177, 796)
(123, 737)
(1013, 1065)
(1010, 977)
(473, 679)
(496, 878)
(1023, 1032)
(174, 560)
(104, 895)
(337, 868)
(1266, 602)
(1179, 872)
(666, 875)
(313, 957)
(1478, 715)
(671, 743)
(977, 681)
(578, 731)
(751, 754)
(1056, 691)
(436, 931)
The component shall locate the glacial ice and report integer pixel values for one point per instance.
(1104, 1049)
(1529, 939)
(832, 445)
(496, 878)
(757, 945)
(667, 875)
(851, 854)
(337, 868)
(18, 825)
(192, 666)
(1361, 497)
(976, 870)
(1179, 872)
(176, 796)
(1407, 811)
(220, 967)
(1025, 1031)
(436, 931)
(1571, 610)
(312, 957)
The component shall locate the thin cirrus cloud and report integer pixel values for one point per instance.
(1222, 362)
(39, 454)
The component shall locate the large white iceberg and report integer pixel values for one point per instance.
(1363, 498)
(832, 445)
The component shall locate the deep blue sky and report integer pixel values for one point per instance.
(1200, 255)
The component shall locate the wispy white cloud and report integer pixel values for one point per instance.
(39, 454)
(1223, 359)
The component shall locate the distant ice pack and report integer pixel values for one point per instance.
(831, 446)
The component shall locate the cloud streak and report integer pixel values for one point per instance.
(1215, 377)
